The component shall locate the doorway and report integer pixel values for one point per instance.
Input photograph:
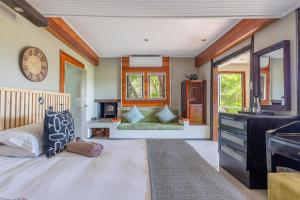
(231, 86)
(73, 82)
(231, 91)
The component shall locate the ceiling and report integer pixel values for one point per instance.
(241, 59)
(116, 28)
(113, 37)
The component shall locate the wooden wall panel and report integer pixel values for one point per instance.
(19, 107)
(146, 71)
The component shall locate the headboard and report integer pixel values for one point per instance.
(20, 107)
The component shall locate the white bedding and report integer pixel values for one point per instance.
(121, 172)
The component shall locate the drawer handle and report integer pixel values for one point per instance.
(230, 118)
(228, 132)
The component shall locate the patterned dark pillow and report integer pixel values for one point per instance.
(58, 132)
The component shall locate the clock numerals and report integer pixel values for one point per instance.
(42, 59)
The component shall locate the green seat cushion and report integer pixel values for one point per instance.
(151, 126)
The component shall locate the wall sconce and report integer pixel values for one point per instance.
(41, 100)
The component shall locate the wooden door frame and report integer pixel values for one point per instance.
(214, 119)
(242, 73)
(64, 57)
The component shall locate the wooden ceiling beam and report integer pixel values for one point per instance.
(239, 33)
(60, 29)
(26, 10)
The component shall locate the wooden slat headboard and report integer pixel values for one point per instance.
(20, 107)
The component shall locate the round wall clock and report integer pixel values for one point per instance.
(34, 64)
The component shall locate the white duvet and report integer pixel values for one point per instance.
(120, 173)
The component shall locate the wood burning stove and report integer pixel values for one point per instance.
(110, 109)
(107, 108)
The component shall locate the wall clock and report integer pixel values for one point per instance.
(34, 64)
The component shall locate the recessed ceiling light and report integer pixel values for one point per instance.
(18, 9)
(204, 40)
(146, 40)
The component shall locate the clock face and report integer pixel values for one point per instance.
(34, 64)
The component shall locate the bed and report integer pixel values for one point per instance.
(126, 170)
(121, 172)
(138, 169)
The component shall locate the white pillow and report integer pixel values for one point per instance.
(133, 115)
(15, 152)
(165, 115)
(27, 137)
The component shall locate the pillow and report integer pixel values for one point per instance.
(165, 115)
(133, 115)
(15, 152)
(28, 138)
(58, 132)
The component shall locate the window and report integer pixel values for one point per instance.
(135, 87)
(231, 94)
(145, 86)
(157, 86)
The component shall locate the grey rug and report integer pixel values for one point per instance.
(178, 172)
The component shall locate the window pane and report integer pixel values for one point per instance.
(157, 86)
(135, 86)
(230, 93)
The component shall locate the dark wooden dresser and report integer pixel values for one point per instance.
(242, 146)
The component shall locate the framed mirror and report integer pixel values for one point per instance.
(273, 76)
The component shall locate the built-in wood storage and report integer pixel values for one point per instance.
(193, 100)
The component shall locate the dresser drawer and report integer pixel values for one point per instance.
(235, 154)
(234, 123)
(237, 139)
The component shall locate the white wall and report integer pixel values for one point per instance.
(108, 79)
(179, 68)
(16, 33)
(277, 79)
(204, 73)
(283, 29)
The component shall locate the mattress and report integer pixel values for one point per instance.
(121, 172)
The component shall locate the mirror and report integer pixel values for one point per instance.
(273, 76)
